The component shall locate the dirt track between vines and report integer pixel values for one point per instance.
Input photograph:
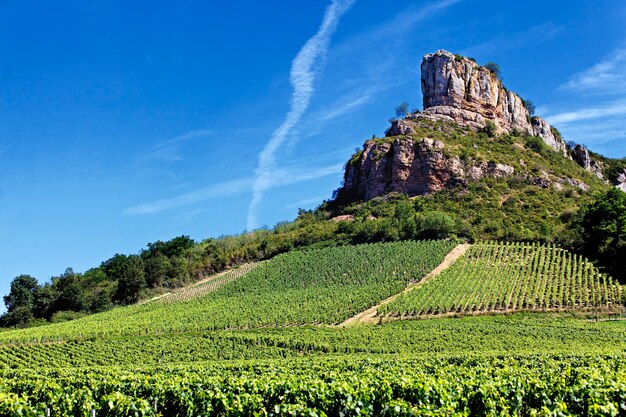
(369, 316)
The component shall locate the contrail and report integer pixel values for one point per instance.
(302, 76)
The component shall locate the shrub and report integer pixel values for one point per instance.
(495, 69)
(489, 128)
(530, 106)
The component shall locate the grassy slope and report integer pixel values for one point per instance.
(511, 208)
(316, 286)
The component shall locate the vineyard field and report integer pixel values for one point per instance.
(493, 335)
(210, 285)
(502, 277)
(320, 286)
(347, 386)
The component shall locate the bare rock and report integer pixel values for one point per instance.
(400, 127)
(577, 183)
(412, 168)
(621, 181)
(542, 129)
(580, 154)
(456, 88)
(343, 218)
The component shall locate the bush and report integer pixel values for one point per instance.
(530, 106)
(436, 225)
(489, 128)
(495, 69)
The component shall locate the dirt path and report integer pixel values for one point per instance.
(369, 316)
(204, 280)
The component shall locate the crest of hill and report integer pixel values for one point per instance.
(472, 128)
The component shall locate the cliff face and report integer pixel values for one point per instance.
(458, 89)
(403, 166)
(455, 89)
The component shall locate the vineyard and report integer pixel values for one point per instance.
(493, 335)
(300, 287)
(494, 277)
(347, 386)
(244, 342)
(207, 286)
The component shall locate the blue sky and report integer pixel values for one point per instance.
(123, 123)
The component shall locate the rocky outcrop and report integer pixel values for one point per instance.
(409, 161)
(621, 181)
(456, 88)
(400, 127)
(542, 129)
(412, 168)
(580, 154)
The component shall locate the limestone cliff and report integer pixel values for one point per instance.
(413, 168)
(461, 97)
(456, 88)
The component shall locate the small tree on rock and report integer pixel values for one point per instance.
(495, 69)
(402, 110)
(530, 106)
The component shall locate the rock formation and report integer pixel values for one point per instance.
(403, 166)
(456, 88)
(621, 181)
(580, 154)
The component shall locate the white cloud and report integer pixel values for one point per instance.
(219, 190)
(602, 111)
(606, 77)
(305, 203)
(303, 73)
(280, 178)
(169, 150)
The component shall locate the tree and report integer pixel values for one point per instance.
(130, 280)
(530, 106)
(604, 231)
(175, 247)
(22, 292)
(495, 69)
(402, 110)
(436, 225)
(70, 293)
(19, 301)
(45, 301)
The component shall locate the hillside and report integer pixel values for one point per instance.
(438, 281)
(476, 153)
(163, 358)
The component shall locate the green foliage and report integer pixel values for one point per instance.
(604, 230)
(20, 300)
(130, 279)
(436, 225)
(489, 129)
(495, 277)
(396, 386)
(402, 110)
(530, 106)
(536, 144)
(495, 69)
(22, 292)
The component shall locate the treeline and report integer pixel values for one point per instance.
(597, 230)
(120, 280)
(125, 279)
